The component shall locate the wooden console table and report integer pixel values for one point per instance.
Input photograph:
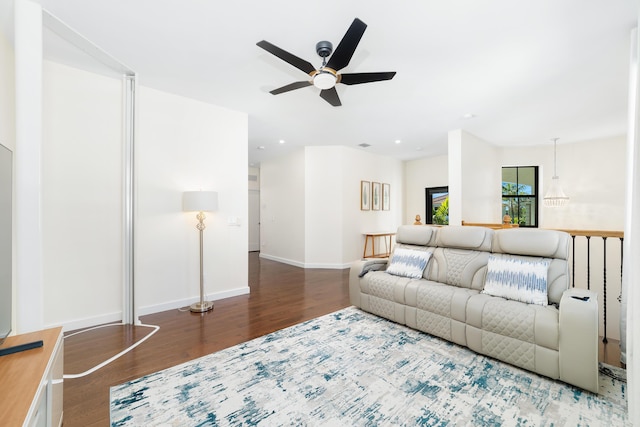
(387, 236)
(31, 392)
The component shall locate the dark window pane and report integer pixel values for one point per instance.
(519, 194)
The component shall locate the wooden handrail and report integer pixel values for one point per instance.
(594, 233)
(589, 233)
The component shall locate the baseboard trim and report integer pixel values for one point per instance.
(89, 322)
(303, 264)
(172, 305)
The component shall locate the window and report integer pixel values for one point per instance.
(520, 194)
(437, 209)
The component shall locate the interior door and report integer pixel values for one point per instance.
(254, 220)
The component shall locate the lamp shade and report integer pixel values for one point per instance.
(555, 197)
(199, 201)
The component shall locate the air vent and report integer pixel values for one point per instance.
(364, 145)
(253, 177)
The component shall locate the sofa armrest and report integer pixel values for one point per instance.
(358, 269)
(579, 338)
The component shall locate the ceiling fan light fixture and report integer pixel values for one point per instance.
(324, 80)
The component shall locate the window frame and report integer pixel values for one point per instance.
(535, 196)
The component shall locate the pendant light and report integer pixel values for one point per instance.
(555, 197)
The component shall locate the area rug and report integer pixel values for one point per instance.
(351, 368)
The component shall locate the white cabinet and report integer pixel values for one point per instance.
(32, 385)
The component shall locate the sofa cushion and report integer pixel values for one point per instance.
(463, 268)
(520, 279)
(408, 262)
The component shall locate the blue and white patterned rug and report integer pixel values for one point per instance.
(351, 368)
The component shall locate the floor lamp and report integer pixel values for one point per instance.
(200, 201)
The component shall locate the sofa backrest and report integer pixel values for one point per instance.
(418, 235)
(461, 256)
(538, 243)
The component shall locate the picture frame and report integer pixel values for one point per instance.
(376, 196)
(365, 195)
(386, 197)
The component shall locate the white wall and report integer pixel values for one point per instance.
(81, 196)
(362, 166)
(311, 213)
(187, 145)
(324, 218)
(418, 175)
(282, 208)
(591, 173)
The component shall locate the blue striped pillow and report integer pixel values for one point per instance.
(408, 262)
(517, 279)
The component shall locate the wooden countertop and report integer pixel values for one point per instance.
(22, 374)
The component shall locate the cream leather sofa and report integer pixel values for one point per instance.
(558, 340)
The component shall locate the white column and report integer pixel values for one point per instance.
(631, 271)
(455, 177)
(28, 77)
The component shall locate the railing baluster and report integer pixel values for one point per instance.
(621, 264)
(604, 285)
(589, 263)
(573, 261)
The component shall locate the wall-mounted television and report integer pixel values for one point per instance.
(6, 210)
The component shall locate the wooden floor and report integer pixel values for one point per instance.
(281, 296)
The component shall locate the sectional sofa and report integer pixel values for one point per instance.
(502, 293)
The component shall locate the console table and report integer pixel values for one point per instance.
(31, 392)
(387, 236)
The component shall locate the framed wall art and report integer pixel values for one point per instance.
(376, 196)
(365, 195)
(386, 197)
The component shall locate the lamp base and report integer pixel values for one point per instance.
(201, 307)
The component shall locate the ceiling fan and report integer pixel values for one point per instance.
(327, 76)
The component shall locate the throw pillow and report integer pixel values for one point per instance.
(517, 279)
(408, 262)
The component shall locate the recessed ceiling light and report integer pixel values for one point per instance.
(398, 141)
(469, 116)
(261, 147)
(281, 141)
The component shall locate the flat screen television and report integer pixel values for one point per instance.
(6, 215)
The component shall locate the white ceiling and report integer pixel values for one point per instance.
(528, 71)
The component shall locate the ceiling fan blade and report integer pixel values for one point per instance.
(292, 86)
(299, 63)
(331, 96)
(357, 78)
(343, 53)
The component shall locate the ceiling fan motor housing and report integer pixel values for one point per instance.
(324, 48)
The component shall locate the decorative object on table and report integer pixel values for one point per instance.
(376, 196)
(201, 202)
(417, 220)
(327, 76)
(365, 195)
(354, 368)
(386, 197)
(555, 197)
